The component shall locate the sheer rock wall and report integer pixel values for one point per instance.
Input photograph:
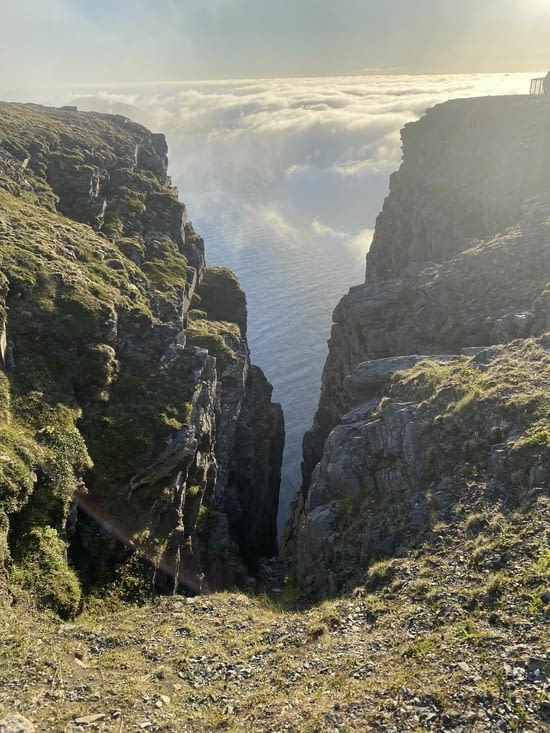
(460, 260)
(126, 386)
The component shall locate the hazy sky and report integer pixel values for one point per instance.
(105, 41)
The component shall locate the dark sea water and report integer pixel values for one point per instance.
(291, 292)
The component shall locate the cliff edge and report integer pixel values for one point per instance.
(437, 375)
(126, 381)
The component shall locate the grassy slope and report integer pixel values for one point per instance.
(429, 642)
(449, 635)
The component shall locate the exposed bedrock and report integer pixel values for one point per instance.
(135, 433)
(460, 260)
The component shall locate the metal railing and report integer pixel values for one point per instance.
(537, 86)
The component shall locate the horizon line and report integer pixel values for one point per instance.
(237, 79)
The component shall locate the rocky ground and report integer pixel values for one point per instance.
(450, 638)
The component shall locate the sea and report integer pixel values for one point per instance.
(283, 178)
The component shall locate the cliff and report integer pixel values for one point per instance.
(126, 377)
(457, 288)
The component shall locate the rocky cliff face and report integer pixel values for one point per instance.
(469, 169)
(460, 261)
(126, 377)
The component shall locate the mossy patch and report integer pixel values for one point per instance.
(505, 401)
(220, 338)
(222, 298)
(43, 571)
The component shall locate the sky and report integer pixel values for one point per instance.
(108, 41)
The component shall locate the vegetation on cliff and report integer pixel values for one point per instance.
(445, 443)
(109, 383)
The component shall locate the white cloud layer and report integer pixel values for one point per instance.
(302, 150)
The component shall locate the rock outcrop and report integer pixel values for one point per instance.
(126, 377)
(460, 260)
(469, 170)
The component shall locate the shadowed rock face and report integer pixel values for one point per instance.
(126, 375)
(469, 168)
(460, 260)
(251, 499)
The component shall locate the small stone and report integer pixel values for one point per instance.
(463, 666)
(89, 719)
(66, 627)
(165, 699)
(538, 667)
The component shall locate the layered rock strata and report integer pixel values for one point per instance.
(127, 384)
(460, 260)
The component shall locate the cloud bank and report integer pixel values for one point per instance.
(319, 150)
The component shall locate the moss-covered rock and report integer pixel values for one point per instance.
(43, 571)
(112, 398)
(221, 296)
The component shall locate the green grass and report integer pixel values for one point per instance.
(220, 338)
(91, 315)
